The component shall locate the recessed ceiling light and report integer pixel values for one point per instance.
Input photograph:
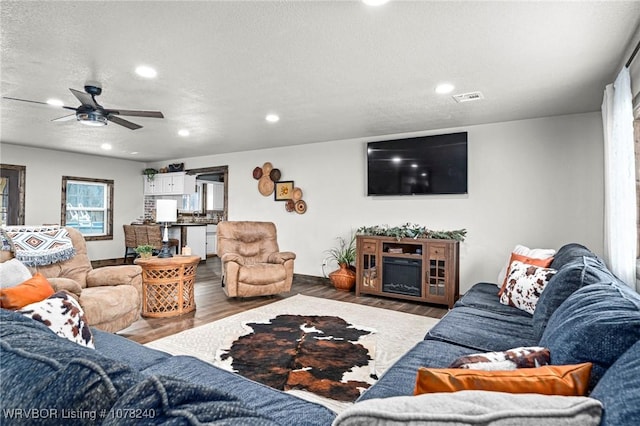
(272, 118)
(444, 88)
(396, 159)
(146, 72)
(55, 102)
(134, 152)
(183, 132)
(375, 2)
(106, 146)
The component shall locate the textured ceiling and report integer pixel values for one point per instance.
(332, 70)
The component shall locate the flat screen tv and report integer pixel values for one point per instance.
(416, 166)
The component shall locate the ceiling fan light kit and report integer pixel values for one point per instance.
(94, 119)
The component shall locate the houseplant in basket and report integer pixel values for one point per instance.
(344, 254)
(145, 251)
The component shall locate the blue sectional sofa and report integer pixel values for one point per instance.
(584, 315)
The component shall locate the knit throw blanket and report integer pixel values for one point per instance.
(40, 245)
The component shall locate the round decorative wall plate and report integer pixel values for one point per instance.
(297, 194)
(266, 168)
(275, 175)
(265, 185)
(301, 207)
(290, 205)
(257, 173)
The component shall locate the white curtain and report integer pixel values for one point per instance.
(619, 180)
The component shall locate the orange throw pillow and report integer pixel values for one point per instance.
(544, 263)
(567, 380)
(33, 290)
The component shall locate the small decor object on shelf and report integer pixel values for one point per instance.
(284, 190)
(145, 251)
(344, 254)
(176, 167)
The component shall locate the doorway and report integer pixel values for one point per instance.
(12, 185)
(216, 173)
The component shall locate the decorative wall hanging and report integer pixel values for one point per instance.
(284, 190)
(269, 182)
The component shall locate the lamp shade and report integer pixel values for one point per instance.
(166, 210)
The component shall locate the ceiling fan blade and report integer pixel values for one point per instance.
(133, 113)
(25, 100)
(65, 118)
(38, 102)
(84, 98)
(123, 122)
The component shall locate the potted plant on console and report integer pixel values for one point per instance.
(344, 254)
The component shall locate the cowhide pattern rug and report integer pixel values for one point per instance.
(318, 354)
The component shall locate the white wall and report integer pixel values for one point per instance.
(44, 171)
(535, 182)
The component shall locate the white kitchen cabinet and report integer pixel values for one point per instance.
(177, 183)
(170, 184)
(212, 239)
(151, 187)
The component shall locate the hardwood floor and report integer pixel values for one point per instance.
(212, 304)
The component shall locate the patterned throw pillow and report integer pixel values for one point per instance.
(524, 285)
(64, 316)
(522, 357)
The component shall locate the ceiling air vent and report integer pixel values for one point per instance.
(468, 97)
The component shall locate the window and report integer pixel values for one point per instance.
(87, 205)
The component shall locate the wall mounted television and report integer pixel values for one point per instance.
(418, 166)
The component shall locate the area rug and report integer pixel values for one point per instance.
(321, 354)
(389, 334)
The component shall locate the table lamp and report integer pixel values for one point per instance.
(166, 211)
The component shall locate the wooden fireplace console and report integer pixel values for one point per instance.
(421, 269)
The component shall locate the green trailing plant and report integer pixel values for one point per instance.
(150, 173)
(409, 230)
(345, 252)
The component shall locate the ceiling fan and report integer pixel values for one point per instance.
(91, 113)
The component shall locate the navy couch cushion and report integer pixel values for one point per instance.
(569, 253)
(135, 355)
(619, 390)
(579, 272)
(400, 379)
(483, 330)
(283, 408)
(41, 371)
(485, 296)
(597, 324)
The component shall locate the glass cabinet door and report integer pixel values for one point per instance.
(436, 274)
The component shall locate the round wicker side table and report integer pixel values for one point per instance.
(167, 285)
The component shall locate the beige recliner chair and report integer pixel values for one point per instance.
(111, 296)
(252, 264)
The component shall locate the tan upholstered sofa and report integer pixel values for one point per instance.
(111, 296)
(252, 264)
